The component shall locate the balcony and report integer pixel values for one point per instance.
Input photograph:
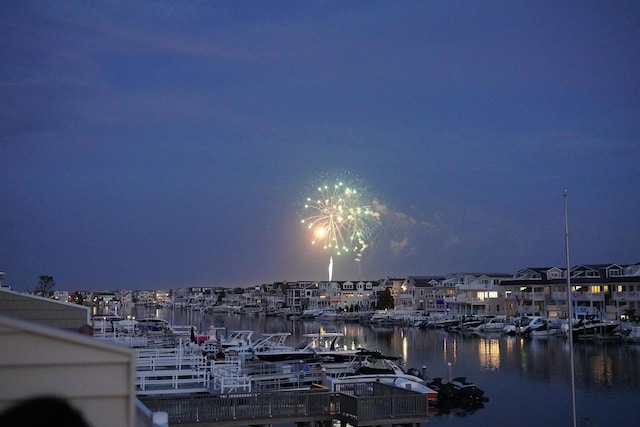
(626, 296)
(476, 287)
(579, 296)
(464, 300)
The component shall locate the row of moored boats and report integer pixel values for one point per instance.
(242, 361)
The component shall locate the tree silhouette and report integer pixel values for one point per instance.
(45, 286)
(385, 299)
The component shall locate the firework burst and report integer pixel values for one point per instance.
(339, 219)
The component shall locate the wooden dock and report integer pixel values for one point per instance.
(365, 405)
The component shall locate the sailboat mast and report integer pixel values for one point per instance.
(570, 309)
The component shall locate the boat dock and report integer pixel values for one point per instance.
(357, 404)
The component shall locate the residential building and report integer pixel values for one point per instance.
(605, 290)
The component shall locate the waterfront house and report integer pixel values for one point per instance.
(604, 290)
(427, 293)
(476, 293)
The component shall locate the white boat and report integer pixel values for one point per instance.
(221, 308)
(442, 322)
(495, 324)
(531, 326)
(272, 348)
(126, 326)
(328, 348)
(386, 372)
(311, 313)
(321, 347)
(409, 317)
(239, 341)
(468, 323)
(154, 326)
(381, 318)
(328, 314)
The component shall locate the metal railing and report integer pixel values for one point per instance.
(361, 404)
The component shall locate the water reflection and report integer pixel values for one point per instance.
(489, 354)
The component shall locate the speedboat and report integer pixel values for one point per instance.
(328, 314)
(238, 343)
(272, 348)
(592, 329)
(328, 348)
(153, 325)
(531, 326)
(311, 313)
(469, 323)
(494, 324)
(376, 368)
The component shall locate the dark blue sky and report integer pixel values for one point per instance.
(157, 144)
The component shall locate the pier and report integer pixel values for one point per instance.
(363, 404)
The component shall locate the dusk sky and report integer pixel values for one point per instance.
(164, 144)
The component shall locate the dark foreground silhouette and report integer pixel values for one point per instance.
(41, 412)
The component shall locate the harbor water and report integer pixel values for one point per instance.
(527, 380)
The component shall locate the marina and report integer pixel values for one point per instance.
(502, 365)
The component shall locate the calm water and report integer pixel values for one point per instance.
(527, 381)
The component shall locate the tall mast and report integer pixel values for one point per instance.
(570, 309)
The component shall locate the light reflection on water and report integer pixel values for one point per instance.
(528, 381)
(489, 354)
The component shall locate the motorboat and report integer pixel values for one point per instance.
(381, 318)
(239, 343)
(494, 324)
(531, 326)
(328, 348)
(376, 368)
(272, 348)
(592, 328)
(467, 324)
(126, 326)
(153, 325)
(328, 314)
(311, 313)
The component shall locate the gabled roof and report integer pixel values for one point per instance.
(425, 281)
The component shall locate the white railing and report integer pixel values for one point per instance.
(166, 371)
(227, 377)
